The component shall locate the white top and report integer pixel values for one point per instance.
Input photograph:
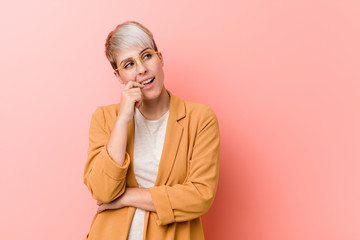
(148, 144)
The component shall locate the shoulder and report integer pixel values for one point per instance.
(200, 119)
(190, 110)
(199, 110)
(185, 110)
(106, 111)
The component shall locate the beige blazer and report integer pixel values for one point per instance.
(187, 178)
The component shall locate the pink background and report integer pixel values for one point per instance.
(282, 76)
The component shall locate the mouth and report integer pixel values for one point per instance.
(148, 81)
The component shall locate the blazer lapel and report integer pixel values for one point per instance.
(174, 131)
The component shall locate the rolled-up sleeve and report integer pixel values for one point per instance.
(105, 179)
(193, 198)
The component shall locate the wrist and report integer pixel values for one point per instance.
(128, 198)
(122, 121)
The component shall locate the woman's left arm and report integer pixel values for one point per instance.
(133, 197)
(194, 197)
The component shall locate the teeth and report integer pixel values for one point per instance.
(147, 81)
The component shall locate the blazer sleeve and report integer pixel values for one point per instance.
(193, 198)
(105, 179)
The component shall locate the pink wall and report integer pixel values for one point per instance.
(282, 76)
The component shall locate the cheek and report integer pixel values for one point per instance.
(125, 80)
(159, 70)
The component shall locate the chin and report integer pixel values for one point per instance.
(152, 95)
(155, 91)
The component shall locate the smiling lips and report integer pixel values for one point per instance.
(148, 81)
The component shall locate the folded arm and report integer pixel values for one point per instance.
(133, 197)
(187, 201)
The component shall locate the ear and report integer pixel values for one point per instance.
(161, 58)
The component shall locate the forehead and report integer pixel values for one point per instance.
(130, 53)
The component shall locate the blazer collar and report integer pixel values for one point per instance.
(176, 107)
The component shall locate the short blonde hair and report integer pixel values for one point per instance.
(127, 35)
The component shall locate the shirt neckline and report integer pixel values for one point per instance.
(152, 121)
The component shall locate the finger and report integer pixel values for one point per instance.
(102, 208)
(139, 103)
(134, 90)
(99, 203)
(99, 210)
(132, 95)
(137, 98)
(132, 84)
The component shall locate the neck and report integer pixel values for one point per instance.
(156, 108)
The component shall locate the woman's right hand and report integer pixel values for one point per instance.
(131, 97)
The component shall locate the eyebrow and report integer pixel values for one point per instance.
(130, 58)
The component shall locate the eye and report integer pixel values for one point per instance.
(128, 65)
(147, 56)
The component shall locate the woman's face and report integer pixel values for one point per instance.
(142, 72)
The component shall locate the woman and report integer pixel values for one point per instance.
(153, 159)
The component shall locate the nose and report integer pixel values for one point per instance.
(140, 68)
